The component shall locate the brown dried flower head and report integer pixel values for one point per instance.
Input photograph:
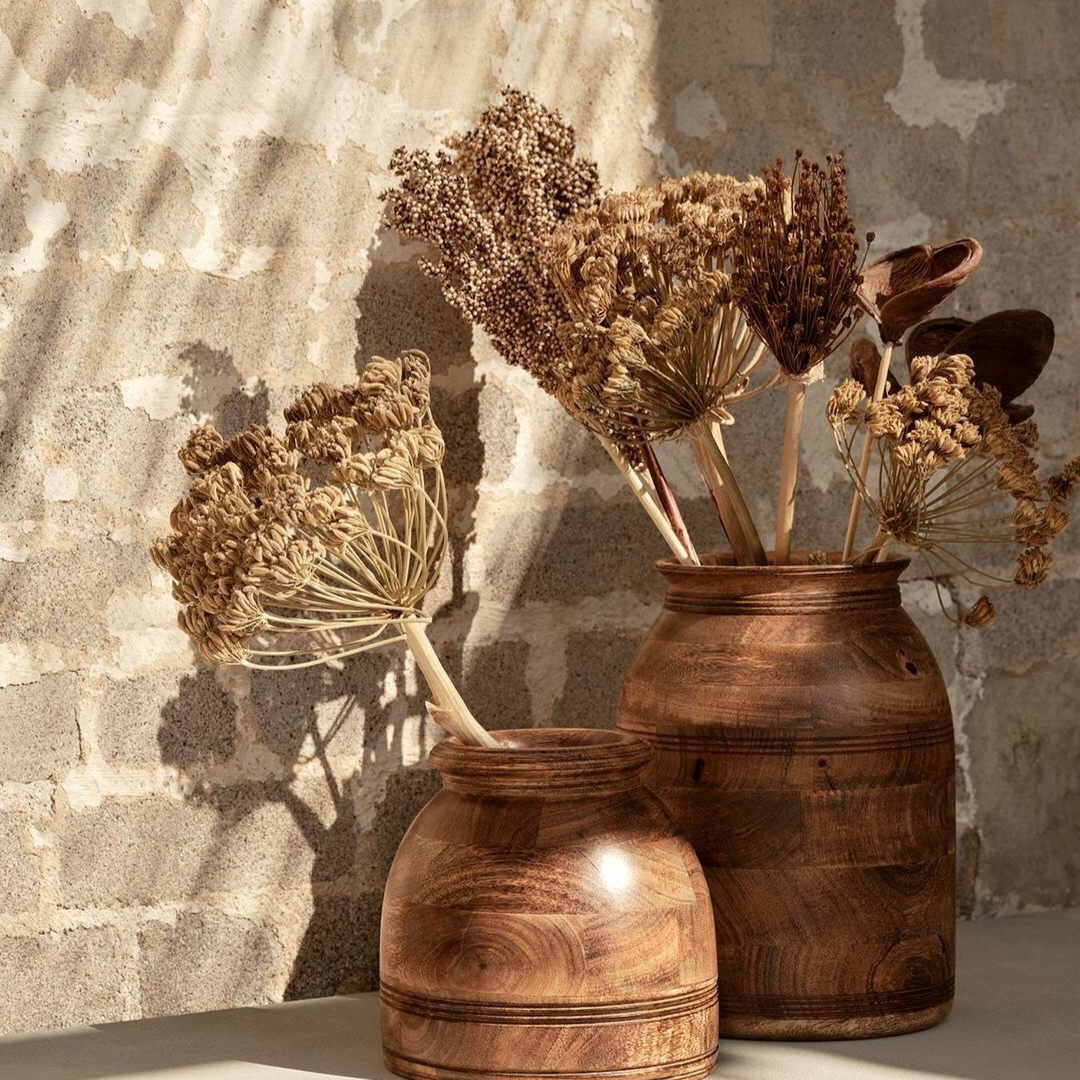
(796, 264)
(488, 205)
(654, 345)
(954, 471)
(1008, 348)
(374, 433)
(261, 552)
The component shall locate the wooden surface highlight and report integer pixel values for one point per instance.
(805, 748)
(542, 919)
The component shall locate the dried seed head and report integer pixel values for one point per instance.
(796, 266)
(981, 613)
(652, 346)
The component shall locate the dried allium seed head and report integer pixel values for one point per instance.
(796, 265)
(980, 614)
(258, 548)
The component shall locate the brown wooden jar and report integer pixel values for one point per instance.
(542, 919)
(805, 747)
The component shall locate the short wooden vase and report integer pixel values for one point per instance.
(805, 747)
(542, 919)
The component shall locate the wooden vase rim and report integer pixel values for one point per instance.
(720, 586)
(559, 761)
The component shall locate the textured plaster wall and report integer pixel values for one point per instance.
(189, 231)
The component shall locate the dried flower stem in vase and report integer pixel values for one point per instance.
(488, 205)
(292, 552)
(880, 379)
(795, 275)
(654, 345)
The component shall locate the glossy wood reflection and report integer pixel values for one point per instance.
(542, 919)
(805, 747)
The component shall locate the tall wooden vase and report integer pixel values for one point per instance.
(542, 920)
(805, 747)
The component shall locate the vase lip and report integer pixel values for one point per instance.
(537, 758)
(717, 564)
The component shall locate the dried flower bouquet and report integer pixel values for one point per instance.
(648, 315)
(295, 551)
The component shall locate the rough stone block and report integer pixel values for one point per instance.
(178, 718)
(1033, 626)
(337, 709)
(207, 960)
(1025, 759)
(251, 836)
(587, 548)
(339, 950)
(20, 867)
(60, 596)
(39, 735)
(596, 662)
(492, 681)
(56, 980)
(304, 180)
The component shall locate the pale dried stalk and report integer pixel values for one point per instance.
(647, 497)
(867, 450)
(454, 713)
(727, 497)
(789, 471)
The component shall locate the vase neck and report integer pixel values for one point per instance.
(553, 762)
(719, 587)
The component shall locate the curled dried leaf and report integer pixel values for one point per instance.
(901, 289)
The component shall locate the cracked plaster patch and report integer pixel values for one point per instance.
(924, 97)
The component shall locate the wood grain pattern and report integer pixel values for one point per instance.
(804, 746)
(542, 920)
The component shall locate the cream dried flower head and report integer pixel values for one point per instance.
(953, 470)
(278, 565)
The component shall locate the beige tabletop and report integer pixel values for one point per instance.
(1017, 1017)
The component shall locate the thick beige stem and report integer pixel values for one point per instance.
(789, 472)
(734, 514)
(454, 713)
(645, 496)
(874, 553)
(867, 450)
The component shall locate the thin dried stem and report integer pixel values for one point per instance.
(645, 496)
(867, 451)
(443, 689)
(789, 471)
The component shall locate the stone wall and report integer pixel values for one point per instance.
(189, 231)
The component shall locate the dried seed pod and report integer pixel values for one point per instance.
(901, 289)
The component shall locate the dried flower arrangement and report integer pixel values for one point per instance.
(295, 551)
(648, 314)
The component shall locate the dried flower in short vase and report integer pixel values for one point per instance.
(291, 552)
(488, 205)
(795, 278)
